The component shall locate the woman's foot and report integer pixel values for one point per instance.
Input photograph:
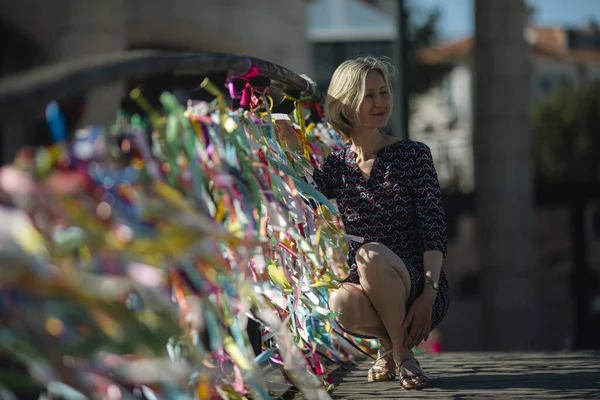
(383, 369)
(412, 375)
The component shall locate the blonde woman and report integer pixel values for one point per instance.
(388, 194)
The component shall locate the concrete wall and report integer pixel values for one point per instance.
(67, 29)
(270, 29)
(39, 20)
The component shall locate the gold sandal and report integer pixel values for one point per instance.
(414, 377)
(379, 373)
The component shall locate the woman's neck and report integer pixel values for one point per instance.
(366, 144)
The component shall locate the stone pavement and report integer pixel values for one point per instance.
(573, 375)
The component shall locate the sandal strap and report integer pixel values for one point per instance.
(420, 374)
(413, 376)
(380, 368)
(379, 376)
(384, 354)
(411, 359)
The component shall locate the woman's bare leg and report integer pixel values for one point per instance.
(358, 316)
(386, 282)
(356, 313)
(364, 309)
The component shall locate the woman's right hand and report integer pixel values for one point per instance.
(288, 132)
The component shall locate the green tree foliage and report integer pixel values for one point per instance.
(423, 25)
(566, 134)
(423, 32)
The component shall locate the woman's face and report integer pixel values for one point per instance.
(377, 103)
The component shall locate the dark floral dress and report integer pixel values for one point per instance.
(400, 206)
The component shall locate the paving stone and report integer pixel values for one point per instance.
(456, 376)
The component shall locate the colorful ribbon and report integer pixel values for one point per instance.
(147, 253)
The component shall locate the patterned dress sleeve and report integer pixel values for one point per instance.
(428, 197)
(324, 177)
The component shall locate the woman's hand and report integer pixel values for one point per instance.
(288, 133)
(418, 319)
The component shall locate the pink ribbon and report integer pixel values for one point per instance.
(253, 70)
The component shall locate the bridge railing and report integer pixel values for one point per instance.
(22, 93)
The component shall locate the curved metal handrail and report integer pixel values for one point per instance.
(24, 92)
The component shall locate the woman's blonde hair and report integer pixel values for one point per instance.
(347, 90)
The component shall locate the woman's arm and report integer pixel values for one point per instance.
(324, 175)
(282, 121)
(432, 223)
(432, 263)
(430, 212)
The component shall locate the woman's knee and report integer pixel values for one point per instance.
(371, 257)
(340, 300)
(375, 261)
(346, 302)
(370, 253)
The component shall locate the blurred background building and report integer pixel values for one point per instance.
(443, 115)
(39, 32)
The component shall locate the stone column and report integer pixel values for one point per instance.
(94, 27)
(503, 175)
